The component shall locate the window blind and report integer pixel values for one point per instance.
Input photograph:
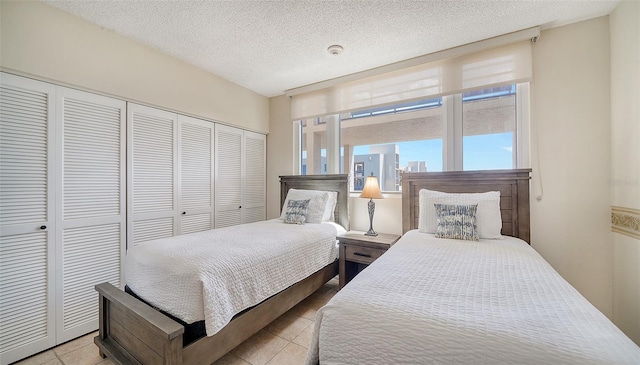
(507, 64)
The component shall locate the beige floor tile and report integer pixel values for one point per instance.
(39, 359)
(324, 291)
(260, 348)
(304, 338)
(75, 344)
(330, 287)
(309, 307)
(85, 355)
(288, 325)
(53, 362)
(230, 359)
(292, 354)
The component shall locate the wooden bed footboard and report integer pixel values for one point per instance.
(132, 332)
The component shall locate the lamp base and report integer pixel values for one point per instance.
(372, 207)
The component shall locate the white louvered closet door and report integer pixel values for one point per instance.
(254, 199)
(27, 317)
(151, 174)
(90, 232)
(228, 172)
(195, 174)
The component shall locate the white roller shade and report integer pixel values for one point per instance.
(501, 65)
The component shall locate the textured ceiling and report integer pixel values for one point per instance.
(272, 46)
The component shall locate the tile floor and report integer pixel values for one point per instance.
(283, 342)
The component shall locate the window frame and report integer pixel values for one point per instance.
(452, 139)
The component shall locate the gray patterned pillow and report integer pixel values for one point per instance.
(296, 212)
(457, 222)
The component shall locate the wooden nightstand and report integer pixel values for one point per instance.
(357, 251)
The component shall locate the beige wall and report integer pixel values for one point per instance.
(625, 160)
(279, 150)
(571, 136)
(387, 217)
(42, 41)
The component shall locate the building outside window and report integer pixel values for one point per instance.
(313, 147)
(381, 162)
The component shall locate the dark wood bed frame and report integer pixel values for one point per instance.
(512, 184)
(132, 332)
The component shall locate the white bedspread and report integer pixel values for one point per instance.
(213, 275)
(437, 301)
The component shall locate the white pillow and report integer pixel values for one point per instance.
(329, 209)
(318, 202)
(488, 217)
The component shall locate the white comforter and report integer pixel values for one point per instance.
(437, 301)
(213, 275)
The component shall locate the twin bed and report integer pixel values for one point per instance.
(427, 300)
(432, 300)
(191, 299)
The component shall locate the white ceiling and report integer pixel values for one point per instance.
(274, 45)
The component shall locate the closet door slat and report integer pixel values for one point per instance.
(228, 172)
(152, 171)
(91, 257)
(92, 160)
(27, 145)
(254, 177)
(195, 166)
(23, 156)
(91, 214)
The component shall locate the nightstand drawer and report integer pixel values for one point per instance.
(362, 255)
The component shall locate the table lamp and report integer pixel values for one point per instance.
(371, 191)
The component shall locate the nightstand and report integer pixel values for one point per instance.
(357, 251)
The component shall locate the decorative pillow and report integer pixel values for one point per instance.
(488, 217)
(330, 208)
(456, 221)
(318, 202)
(296, 212)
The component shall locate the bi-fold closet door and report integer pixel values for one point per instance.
(64, 193)
(170, 176)
(240, 174)
(62, 221)
(27, 218)
(187, 175)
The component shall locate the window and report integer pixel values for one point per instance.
(489, 128)
(384, 141)
(478, 130)
(313, 154)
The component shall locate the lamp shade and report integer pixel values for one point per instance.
(371, 188)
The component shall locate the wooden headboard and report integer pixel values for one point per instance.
(512, 184)
(337, 182)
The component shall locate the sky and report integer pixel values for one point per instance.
(482, 152)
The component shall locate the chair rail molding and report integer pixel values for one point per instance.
(625, 221)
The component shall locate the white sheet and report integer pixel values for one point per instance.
(438, 301)
(213, 275)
